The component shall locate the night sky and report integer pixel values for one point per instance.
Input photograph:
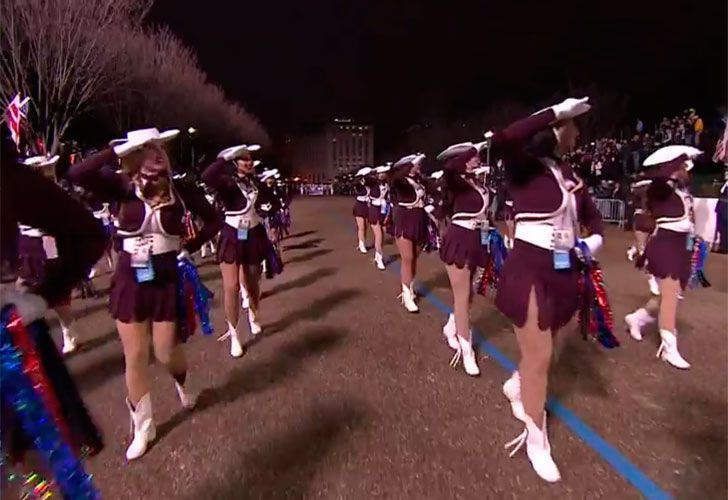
(296, 64)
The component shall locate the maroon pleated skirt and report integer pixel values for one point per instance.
(462, 248)
(557, 292)
(361, 209)
(667, 256)
(249, 252)
(411, 224)
(375, 215)
(156, 300)
(31, 259)
(644, 223)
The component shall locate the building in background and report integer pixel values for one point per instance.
(342, 146)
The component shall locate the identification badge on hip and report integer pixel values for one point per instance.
(484, 237)
(242, 230)
(142, 252)
(145, 274)
(562, 260)
(690, 242)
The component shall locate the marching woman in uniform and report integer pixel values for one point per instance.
(410, 221)
(378, 191)
(45, 426)
(272, 208)
(244, 243)
(361, 206)
(144, 287)
(38, 252)
(643, 226)
(668, 252)
(538, 289)
(463, 245)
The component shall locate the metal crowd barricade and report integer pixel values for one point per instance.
(612, 211)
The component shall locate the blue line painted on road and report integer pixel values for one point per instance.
(629, 471)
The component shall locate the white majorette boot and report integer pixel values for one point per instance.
(654, 287)
(244, 297)
(466, 353)
(412, 290)
(636, 321)
(538, 450)
(512, 391)
(142, 427)
(450, 333)
(631, 253)
(668, 350)
(70, 338)
(379, 261)
(408, 300)
(255, 327)
(236, 348)
(362, 247)
(187, 393)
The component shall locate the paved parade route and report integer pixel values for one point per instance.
(348, 396)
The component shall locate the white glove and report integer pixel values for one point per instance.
(266, 207)
(488, 134)
(570, 108)
(30, 307)
(184, 254)
(230, 153)
(593, 242)
(429, 209)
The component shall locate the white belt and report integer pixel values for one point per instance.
(418, 204)
(31, 232)
(541, 235)
(377, 202)
(249, 220)
(680, 226)
(472, 224)
(160, 243)
(362, 198)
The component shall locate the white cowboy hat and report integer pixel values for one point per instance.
(458, 149)
(234, 152)
(414, 159)
(670, 153)
(383, 169)
(363, 171)
(136, 139)
(41, 161)
(268, 174)
(642, 183)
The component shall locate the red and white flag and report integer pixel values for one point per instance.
(720, 155)
(16, 112)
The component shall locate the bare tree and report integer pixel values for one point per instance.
(163, 85)
(54, 52)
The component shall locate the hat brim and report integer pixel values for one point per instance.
(671, 153)
(383, 170)
(165, 136)
(363, 172)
